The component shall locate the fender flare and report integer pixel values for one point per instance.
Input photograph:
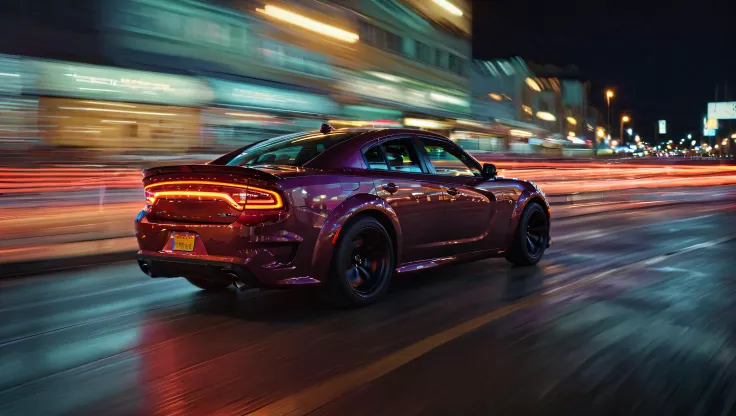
(355, 205)
(528, 195)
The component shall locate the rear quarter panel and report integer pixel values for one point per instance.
(319, 202)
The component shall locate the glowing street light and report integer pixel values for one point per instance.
(630, 131)
(545, 115)
(637, 138)
(692, 143)
(454, 10)
(533, 84)
(689, 136)
(309, 24)
(624, 119)
(609, 95)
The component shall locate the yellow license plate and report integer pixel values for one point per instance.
(183, 242)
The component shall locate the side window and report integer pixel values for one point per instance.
(374, 158)
(448, 159)
(401, 156)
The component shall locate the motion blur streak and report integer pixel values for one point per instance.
(98, 203)
(553, 177)
(310, 24)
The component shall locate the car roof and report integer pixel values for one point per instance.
(347, 155)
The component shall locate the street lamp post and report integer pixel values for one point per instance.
(624, 119)
(609, 95)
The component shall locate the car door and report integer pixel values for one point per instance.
(418, 203)
(467, 218)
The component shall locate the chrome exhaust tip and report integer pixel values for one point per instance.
(145, 268)
(237, 282)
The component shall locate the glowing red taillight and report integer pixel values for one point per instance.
(247, 197)
(258, 198)
(150, 197)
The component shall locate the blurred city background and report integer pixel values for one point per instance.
(125, 81)
(97, 91)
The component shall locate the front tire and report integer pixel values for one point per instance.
(209, 285)
(362, 264)
(531, 238)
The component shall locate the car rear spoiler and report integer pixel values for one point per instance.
(235, 170)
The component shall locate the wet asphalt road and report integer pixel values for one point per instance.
(630, 312)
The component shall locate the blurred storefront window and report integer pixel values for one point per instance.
(402, 93)
(118, 126)
(67, 79)
(270, 98)
(483, 142)
(225, 128)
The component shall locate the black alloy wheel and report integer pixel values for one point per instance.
(362, 264)
(531, 238)
(368, 261)
(537, 232)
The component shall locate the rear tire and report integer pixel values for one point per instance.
(531, 238)
(362, 264)
(209, 285)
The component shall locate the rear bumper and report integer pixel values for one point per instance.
(212, 267)
(261, 256)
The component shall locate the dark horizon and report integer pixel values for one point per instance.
(646, 52)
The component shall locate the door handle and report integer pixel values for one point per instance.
(452, 191)
(390, 187)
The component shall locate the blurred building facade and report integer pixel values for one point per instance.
(186, 75)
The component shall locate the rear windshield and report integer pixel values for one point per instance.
(291, 150)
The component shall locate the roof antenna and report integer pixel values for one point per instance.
(326, 128)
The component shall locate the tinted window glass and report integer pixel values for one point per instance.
(374, 158)
(401, 156)
(448, 159)
(292, 150)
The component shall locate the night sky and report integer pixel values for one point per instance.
(663, 59)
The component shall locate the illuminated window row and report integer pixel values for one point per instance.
(386, 40)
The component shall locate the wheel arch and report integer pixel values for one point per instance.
(524, 199)
(347, 212)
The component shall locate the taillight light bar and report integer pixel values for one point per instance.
(252, 197)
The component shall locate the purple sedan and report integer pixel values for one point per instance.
(345, 209)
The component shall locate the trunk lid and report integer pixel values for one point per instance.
(208, 194)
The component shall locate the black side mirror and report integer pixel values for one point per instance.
(489, 170)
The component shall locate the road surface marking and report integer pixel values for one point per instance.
(313, 398)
